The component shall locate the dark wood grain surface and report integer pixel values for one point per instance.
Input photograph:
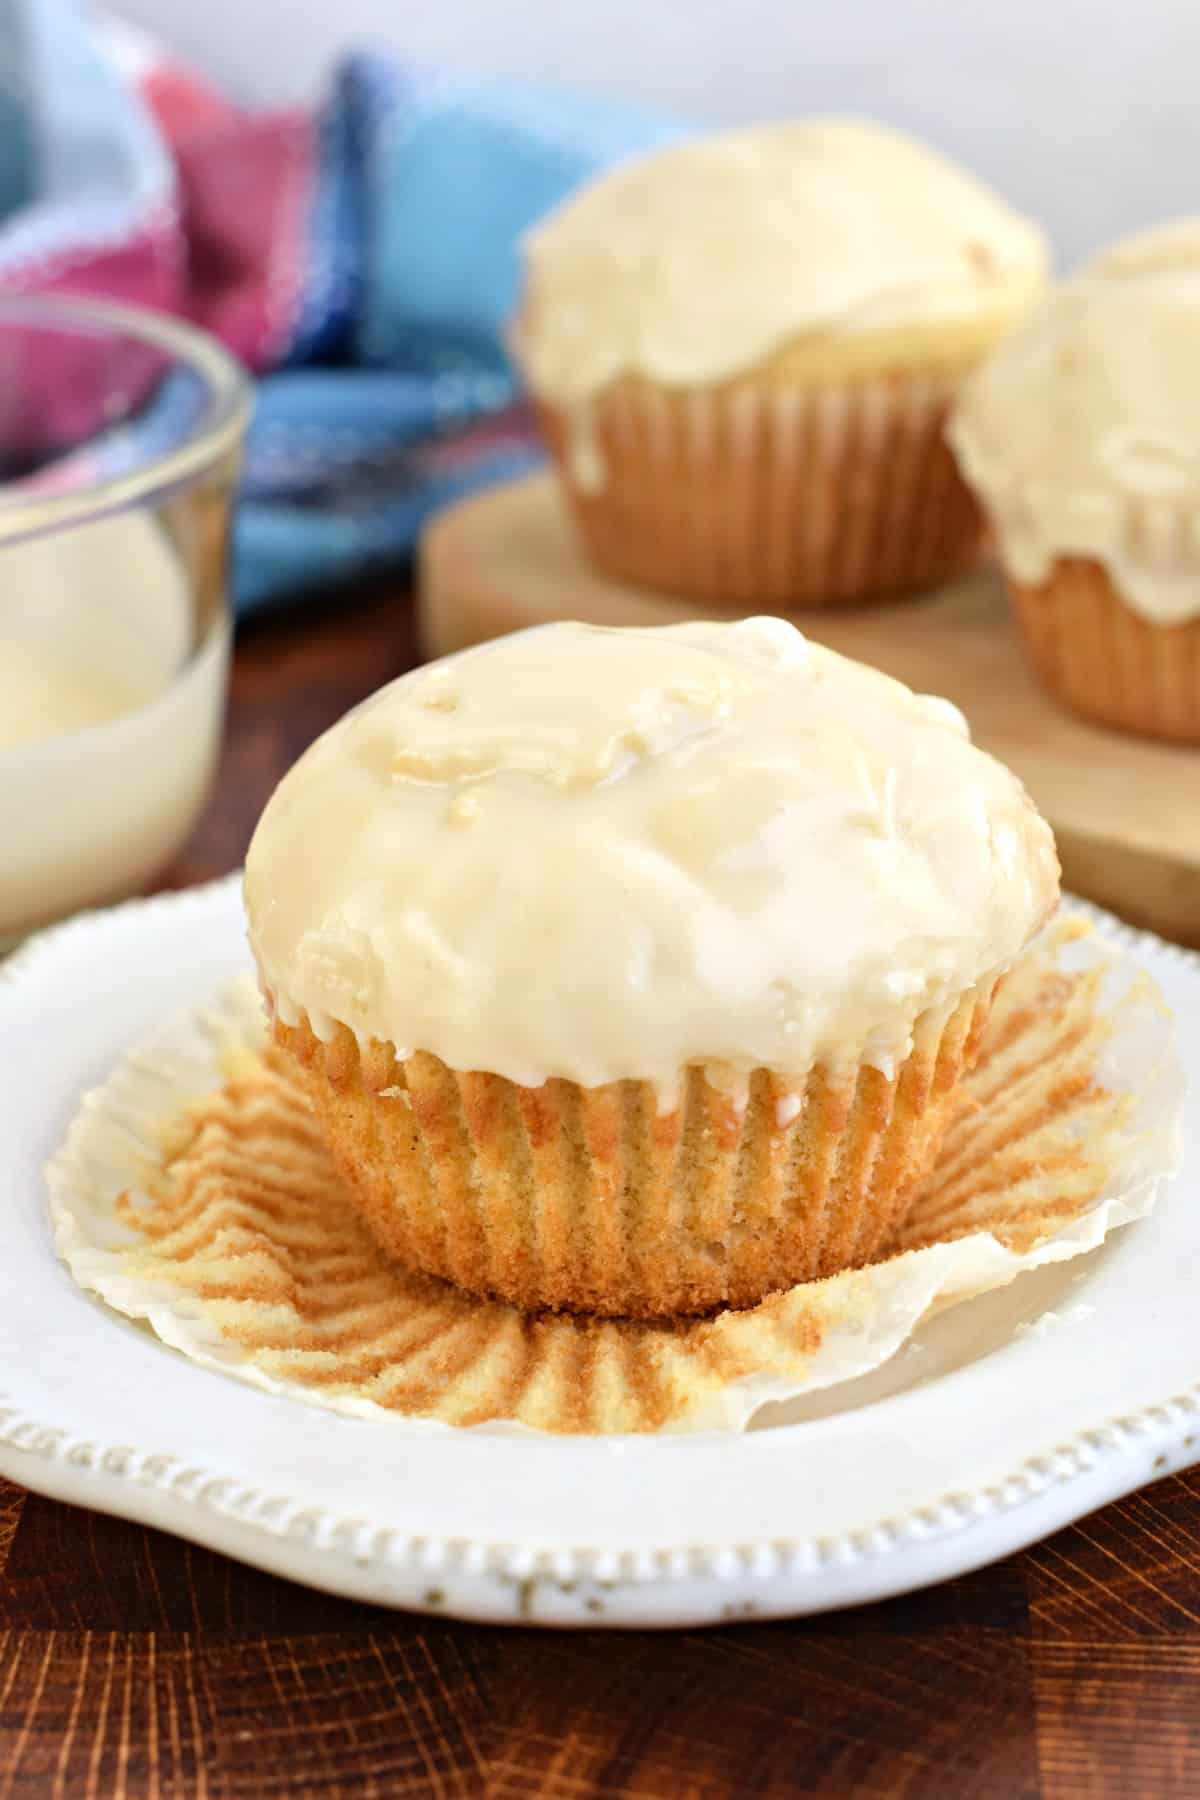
(136, 1665)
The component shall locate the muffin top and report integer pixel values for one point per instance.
(1082, 432)
(834, 246)
(602, 854)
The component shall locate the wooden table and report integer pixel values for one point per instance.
(133, 1664)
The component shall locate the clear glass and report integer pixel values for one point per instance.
(120, 439)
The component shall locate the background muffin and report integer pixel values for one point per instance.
(742, 352)
(1082, 436)
(633, 969)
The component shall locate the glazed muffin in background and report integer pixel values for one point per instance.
(632, 971)
(1082, 438)
(742, 351)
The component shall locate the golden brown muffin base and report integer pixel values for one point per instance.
(758, 494)
(1103, 660)
(589, 1200)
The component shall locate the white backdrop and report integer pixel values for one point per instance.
(1085, 112)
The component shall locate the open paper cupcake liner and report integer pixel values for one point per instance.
(1102, 659)
(194, 1191)
(757, 494)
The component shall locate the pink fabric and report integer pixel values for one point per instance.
(224, 243)
(245, 190)
(146, 268)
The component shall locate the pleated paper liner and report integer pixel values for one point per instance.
(760, 495)
(1103, 660)
(582, 1199)
(194, 1191)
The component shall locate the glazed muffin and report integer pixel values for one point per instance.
(632, 971)
(1082, 437)
(742, 351)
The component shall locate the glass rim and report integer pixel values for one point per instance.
(217, 433)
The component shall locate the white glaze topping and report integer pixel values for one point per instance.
(701, 261)
(1082, 432)
(601, 854)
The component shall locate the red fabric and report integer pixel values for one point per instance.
(245, 188)
(147, 269)
(180, 101)
(226, 247)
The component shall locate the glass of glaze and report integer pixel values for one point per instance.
(120, 438)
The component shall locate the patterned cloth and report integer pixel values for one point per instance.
(360, 258)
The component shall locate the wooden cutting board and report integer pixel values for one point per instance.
(1126, 811)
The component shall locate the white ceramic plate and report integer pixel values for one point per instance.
(1000, 1421)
